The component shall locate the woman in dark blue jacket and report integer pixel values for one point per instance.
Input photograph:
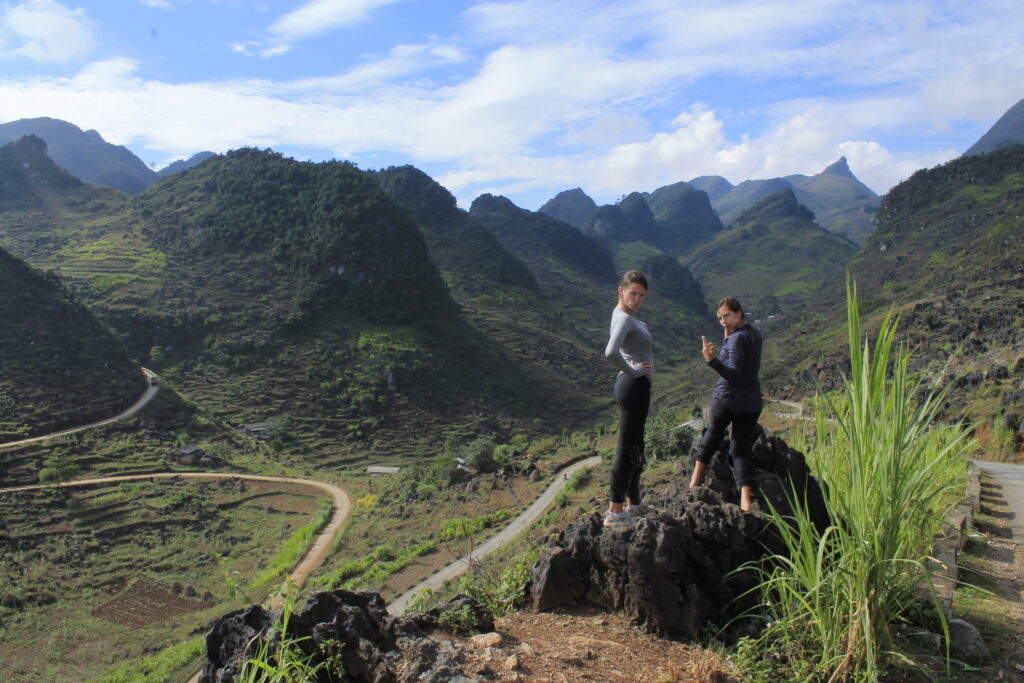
(736, 399)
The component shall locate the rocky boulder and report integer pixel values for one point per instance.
(376, 647)
(674, 572)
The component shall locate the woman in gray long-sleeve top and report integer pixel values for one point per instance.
(630, 350)
(736, 399)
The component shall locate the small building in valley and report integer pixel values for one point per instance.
(187, 455)
(382, 469)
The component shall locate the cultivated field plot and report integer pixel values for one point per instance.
(145, 603)
(96, 576)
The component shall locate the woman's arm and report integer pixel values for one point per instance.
(619, 329)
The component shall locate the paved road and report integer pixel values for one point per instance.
(152, 386)
(1010, 479)
(514, 528)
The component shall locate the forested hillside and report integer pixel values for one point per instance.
(772, 258)
(61, 367)
(267, 287)
(946, 256)
(498, 293)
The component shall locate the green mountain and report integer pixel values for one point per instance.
(772, 258)
(731, 205)
(1007, 131)
(573, 206)
(184, 164)
(573, 270)
(497, 293)
(62, 367)
(578, 276)
(629, 221)
(263, 286)
(28, 179)
(714, 185)
(946, 256)
(85, 154)
(953, 226)
(840, 202)
(685, 216)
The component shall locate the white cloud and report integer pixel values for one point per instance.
(588, 93)
(314, 18)
(320, 16)
(158, 4)
(803, 144)
(45, 31)
(401, 61)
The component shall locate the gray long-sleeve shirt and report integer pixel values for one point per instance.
(629, 344)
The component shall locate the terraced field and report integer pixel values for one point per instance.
(94, 576)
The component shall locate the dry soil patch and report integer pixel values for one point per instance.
(588, 646)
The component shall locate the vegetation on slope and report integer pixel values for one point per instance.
(497, 293)
(62, 367)
(772, 258)
(268, 287)
(946, 255)
(685, 217)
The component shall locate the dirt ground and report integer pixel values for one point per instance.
(586, 646)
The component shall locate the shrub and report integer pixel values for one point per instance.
(479, 454)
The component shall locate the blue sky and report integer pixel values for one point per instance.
(526, 98)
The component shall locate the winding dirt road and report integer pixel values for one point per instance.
(341, 504)
(152, 387)
(317, 551)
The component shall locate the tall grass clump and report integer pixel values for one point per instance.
(295, 547)
(888, 475)
(277, 657)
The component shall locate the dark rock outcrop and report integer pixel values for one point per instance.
(376, 646)
(675, 572)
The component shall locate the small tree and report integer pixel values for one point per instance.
(479, 454)
(57, 467)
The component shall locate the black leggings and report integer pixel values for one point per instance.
(633, 395)
(744, 427)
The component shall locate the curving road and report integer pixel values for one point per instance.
(514, 528)
(341, 504)
(152, 387)
(315, 554)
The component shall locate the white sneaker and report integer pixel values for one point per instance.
(618, 519)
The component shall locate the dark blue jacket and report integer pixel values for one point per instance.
(738, 388)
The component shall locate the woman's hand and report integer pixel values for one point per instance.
(707, 349)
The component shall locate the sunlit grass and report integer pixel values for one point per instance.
(889, 474)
